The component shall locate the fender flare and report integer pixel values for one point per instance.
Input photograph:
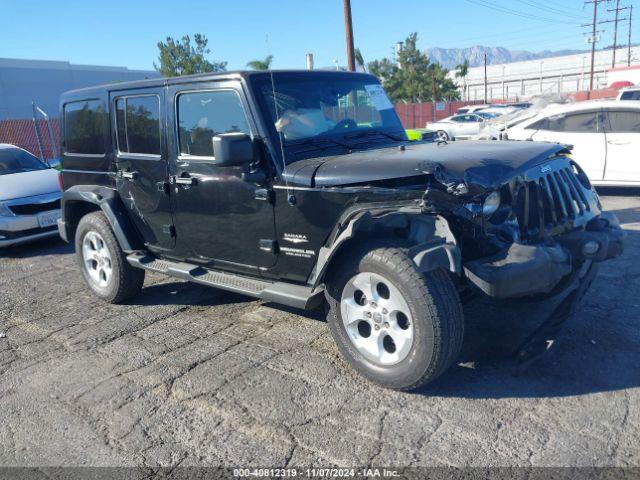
(439, 251)
(107, 200)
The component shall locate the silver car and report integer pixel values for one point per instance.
(29, 197)
(460, 126)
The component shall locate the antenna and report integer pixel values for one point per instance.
(291, 199)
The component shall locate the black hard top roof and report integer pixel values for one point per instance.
(162, 81)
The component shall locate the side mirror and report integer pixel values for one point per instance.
(231, 149)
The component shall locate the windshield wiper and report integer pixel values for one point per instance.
(315, 142)
(373, 132)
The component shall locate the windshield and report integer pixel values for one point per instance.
(16, 160)
(322, 111)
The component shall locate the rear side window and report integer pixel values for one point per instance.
(623, 121)
(138, 124)
(85, 127)
(632, 95)
(203, 115)
(587, 122)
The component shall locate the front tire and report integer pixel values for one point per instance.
(443, 136)
(103, 263)
(396, 326)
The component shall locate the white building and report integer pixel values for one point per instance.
(550, 75)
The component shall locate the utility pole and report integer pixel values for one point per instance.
(617, 19)
(348, 26)
(593, 37)
(485, 78)
(629, 43)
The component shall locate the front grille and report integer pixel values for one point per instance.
(552, 201)
(34, 208)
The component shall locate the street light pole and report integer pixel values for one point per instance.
(348, 26)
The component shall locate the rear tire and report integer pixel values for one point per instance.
(431, 318)
(103, 263)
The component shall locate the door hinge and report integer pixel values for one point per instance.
(268, 245)
(264, 194)
(169, 230)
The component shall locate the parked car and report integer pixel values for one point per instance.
(605, 136)
(29, 197)
(471, 108)
(300, 187)
(629, 93)
(459, 127)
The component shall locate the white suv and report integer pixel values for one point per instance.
(29, 197)
(605, 136)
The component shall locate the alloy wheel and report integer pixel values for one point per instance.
(377, 318)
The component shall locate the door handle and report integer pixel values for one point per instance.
(612, 142)
(184, 180)
(128, 175)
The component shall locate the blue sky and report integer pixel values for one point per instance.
(126, 32)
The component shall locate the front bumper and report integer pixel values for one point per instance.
(525, 270)
(19, 229)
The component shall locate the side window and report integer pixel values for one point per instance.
(85, 127)
(539, 125)
(632, 95)
(623, 121)
(575, 122)
(138, 124)
(203, 115)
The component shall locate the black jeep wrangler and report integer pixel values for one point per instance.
(300, 187)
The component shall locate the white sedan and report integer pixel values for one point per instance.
(29, 197)
(460, 126)
(605, 136)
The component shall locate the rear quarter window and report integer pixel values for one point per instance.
(623, 121)
(85, 124)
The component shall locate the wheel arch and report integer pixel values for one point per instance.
(430, 243)
(80, 200)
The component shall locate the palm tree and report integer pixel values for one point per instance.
(261, 64)
(462, 70)
(360, 59)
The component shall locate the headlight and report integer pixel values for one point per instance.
(491, 204)
(4, 211)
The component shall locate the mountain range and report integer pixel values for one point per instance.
(450, 57)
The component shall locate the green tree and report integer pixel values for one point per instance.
(261, 64)
(181, 58)
(412, 77)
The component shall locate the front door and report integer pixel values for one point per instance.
(221, 218)
(622, 129)
(142, 164)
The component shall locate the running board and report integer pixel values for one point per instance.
(297, 296)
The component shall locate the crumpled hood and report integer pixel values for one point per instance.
(28, 184)
(481, 163)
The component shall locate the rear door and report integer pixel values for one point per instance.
(141, 159)
(583, 130)
(622, 131)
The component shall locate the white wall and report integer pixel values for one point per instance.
(550, 75)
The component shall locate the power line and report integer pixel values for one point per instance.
(552, 10)
(498, 8)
